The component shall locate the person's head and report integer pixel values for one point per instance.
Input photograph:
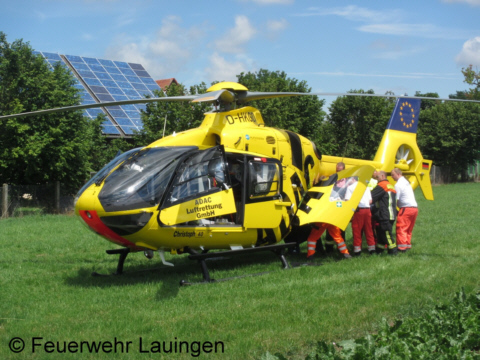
(396, 174)
(381, 175)
(375, 174)
(340, 166)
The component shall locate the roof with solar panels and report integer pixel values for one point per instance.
(105, 80)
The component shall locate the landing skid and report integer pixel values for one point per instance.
(203, 256)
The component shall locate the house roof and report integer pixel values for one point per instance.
(164, 83)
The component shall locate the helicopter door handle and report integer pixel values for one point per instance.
(283, 203)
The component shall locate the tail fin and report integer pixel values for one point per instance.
(400, 138)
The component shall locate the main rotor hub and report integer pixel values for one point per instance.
(227, 85)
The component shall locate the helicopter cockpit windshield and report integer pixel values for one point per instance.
(141, 181)
(103, 173)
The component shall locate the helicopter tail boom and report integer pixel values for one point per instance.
(400, 138)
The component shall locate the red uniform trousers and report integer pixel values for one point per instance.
(318, 231)
(362, 223)
(405, 221)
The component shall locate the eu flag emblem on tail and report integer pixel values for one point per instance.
(405, 115)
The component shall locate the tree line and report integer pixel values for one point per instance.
(67, 146)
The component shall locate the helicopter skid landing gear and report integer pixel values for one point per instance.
(123, 255)
(202, 257)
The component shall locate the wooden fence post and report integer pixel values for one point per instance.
(57, 197)
(5, 201)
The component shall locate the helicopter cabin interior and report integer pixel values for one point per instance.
(217, 187)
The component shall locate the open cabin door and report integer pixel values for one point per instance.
(328, 202)
(201, 190)
(264, 207)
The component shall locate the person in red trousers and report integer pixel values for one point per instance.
(361, 220)
(408, 211)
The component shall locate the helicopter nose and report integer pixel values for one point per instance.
(86, 209)
(93, 221)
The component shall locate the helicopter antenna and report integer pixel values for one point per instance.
(164, 125)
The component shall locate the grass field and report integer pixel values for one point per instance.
(48, 295)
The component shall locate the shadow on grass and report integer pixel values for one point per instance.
(168, 278)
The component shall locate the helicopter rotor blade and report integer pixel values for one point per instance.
(393, 96)
(251, 96)
(246, 96)
(97, 105)
(222, 95)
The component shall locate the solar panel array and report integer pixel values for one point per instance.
(106, 80)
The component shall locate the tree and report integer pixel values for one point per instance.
(167, 117)
(302, 115)
(472, 77)
(449, 134)
(357, 124)
(43, 148)
(427, 104)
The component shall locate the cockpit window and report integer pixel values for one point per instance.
(264, 179)
(201, 173)
(141, 181)
(103, 173)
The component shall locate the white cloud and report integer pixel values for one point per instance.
(87, 36)
(221, 69)
(396, 52)
(354, 13)
(129, 52)
(470, 2)
(470, 54)
(273, 29)
(387, 22)
(417, 30)
(276, 26)
(234, 40)
(164, 54)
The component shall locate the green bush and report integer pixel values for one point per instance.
(449, 331)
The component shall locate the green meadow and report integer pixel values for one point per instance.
(50, 302)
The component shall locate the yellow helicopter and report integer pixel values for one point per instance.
(234, 184)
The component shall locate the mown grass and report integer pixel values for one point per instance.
(46, 289)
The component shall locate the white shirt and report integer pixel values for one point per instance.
(366, 198)
(405, 196)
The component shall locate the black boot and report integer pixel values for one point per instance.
(393, 251)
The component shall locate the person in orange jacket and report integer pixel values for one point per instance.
(335, 233)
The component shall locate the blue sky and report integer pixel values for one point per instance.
(334, 45)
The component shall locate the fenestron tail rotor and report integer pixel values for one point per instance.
(404, 157)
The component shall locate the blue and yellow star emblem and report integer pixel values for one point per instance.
(407, 114)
